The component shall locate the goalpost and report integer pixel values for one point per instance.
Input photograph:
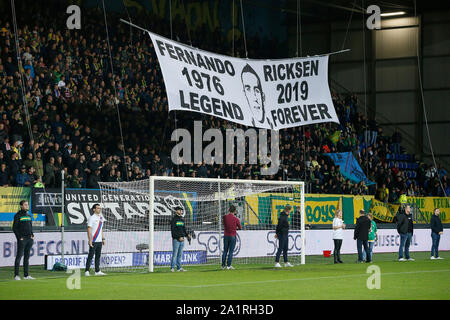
(138, 214)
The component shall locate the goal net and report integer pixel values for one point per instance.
(138, 217)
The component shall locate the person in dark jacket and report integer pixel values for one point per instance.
(361, 235)
(436, 231)
(282, 234)
(178, 230)
(405, 229)
(23, 231)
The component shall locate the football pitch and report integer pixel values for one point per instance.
(318, 279)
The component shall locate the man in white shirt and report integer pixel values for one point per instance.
(338, 235)
(96, 239)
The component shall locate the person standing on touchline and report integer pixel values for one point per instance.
(23, 230)
(231, 223)
(338, 235)
(282, 234)
(96, 240)
(436, 231)
(178, 230)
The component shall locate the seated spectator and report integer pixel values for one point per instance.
(3, 133)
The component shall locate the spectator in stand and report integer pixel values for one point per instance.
(383, 193)
(38, 164)
(49, 175)
(441, 171)
(93, 180)
(22, 177)
(3, 132)
(74, 180)
(28, 161)
(59, 166)
(31, 177)
(4, 175)
(38, 183)
(119, 176)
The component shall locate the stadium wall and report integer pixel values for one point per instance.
(260, 208)
(250, 243)
(381, 69)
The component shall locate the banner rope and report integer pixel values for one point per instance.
(243, 29)
(175, 111)
(424, 107)
(115, 91)
(365, 90)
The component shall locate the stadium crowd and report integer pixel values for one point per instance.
(71, 121)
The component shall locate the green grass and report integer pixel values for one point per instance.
(318, 279)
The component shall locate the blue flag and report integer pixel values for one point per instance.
(349, 167)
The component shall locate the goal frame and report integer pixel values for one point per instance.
(152, 180)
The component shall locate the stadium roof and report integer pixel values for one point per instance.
(332, 10)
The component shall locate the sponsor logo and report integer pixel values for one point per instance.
(125, 206)
(294, 244)
(47, 199)
(163, 258)
(210, 241)
(79, 261)
(393, 240)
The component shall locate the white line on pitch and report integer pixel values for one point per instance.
(306, 279)
(270, 281)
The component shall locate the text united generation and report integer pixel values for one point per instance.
(231, 111)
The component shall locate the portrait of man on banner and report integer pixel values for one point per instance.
(254, 95)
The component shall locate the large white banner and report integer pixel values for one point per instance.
(257, 243)
(270, 94)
